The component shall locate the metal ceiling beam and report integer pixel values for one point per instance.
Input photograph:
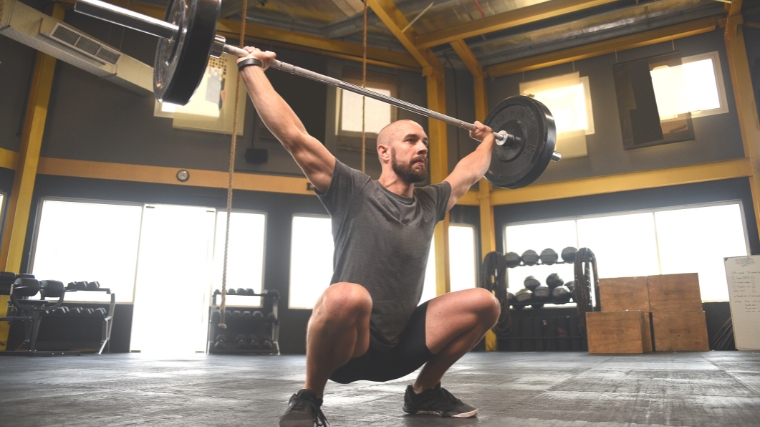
(606, 47)
(513, 18)
(395, 21)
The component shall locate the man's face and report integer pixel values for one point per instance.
(409, 153)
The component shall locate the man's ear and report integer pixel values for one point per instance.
(384, 152)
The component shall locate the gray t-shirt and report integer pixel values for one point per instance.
(382, 242)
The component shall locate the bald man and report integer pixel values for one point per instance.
(367, 324)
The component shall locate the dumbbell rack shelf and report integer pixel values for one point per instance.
(106, 326)
(265, 326)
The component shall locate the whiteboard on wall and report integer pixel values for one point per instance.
(743, 277)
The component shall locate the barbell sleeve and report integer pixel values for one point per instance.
(126, 18)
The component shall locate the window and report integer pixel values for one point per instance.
(88, 241)
(462, 257)
(676, 240)
(568, 97)
(311, 260)
(691, 85)
(377, 114)
(245, 263)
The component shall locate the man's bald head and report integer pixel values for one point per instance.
(393, 130)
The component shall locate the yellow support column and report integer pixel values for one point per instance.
(20, 201)
(745, 100)
(439, 169)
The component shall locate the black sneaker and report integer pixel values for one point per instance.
(303, 411)
(436, 401)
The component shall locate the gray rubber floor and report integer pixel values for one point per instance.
(510, 389)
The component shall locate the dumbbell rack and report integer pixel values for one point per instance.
(246, 326)
(519, 305)
(104, 343)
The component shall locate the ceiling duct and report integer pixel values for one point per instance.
(46, 34)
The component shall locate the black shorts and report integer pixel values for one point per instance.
(410, 353)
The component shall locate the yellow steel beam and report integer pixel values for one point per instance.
(746, 108)
(291, 39)
(602, 48)
(8, 159)
(439, 169)
(513, 18)
(20, 201)
(395, 21)
(167, 175)
(737, 168)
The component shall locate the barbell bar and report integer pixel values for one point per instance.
(178, 71)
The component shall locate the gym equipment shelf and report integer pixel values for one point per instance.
(250, 330)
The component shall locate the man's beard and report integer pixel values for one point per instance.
(406, 172)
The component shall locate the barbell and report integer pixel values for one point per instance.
(523, 127)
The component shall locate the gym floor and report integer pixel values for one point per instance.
(525, 389)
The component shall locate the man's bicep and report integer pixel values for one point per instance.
(316, 162)
(459, 186)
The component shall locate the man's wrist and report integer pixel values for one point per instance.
(247, 62)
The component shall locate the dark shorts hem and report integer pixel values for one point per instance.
(408, 355)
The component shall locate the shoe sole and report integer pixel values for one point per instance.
(440, 414)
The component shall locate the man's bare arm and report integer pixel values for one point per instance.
(316, 162)
(472, 167)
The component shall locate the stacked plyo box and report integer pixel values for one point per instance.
(623, 325)
(672, 302)
(677, 317)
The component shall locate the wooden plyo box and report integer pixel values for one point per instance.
(680, 331)
(624, 293)
(673, 292)
(616, 332)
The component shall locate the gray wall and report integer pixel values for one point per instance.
(717, 137)
(16, 69)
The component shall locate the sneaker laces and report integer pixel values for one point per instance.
(447, 397)
(319, 417)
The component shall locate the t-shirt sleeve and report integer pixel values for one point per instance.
(440, 194)
(343, 186)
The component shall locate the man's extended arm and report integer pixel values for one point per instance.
(472, 167)
(314, 159)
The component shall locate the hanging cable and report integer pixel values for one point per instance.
(364, 85)
(233, 144)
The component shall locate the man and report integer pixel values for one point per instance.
(366, 325)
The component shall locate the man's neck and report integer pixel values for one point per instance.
(396, 185)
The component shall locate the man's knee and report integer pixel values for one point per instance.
(488, 306)
(344, 302)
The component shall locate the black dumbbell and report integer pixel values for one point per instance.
(561, 295)
(548, 256)
(271, 317)
(523, 296)
(250, 292)
(237, 314)
(531, 283)
(231, 292)
(93, 286)
(242, 342)
(554, 280)
(512, 259)
(51, 289)
(89, 311)
(240, 291)
(247, 314)
(81, 286)
(568, 254)
(266, 343)
(529, 257)
(76, 310)
(542, 293)
(253, 342)
(101, 312)
(257, 315)
(25, 287)
(271, 293)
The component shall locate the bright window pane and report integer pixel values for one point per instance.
(245, 258)
(79, 241)
(685, 88)
(568, 106)
(462, 260)
(624, 245)
(311, 260)
(377, 114)
(697, 240)
(556, 235)
(428, 289)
